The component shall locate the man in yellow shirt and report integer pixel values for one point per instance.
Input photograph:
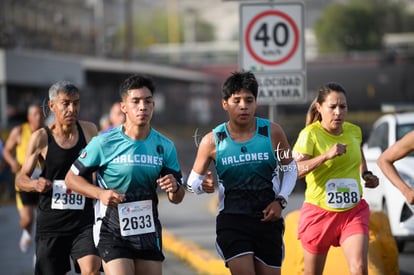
(14, 154)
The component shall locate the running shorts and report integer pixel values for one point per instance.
(238, 235)
(145, 247)
(52, 252)
(319, 229)
(26, 199)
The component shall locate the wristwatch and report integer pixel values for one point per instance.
(282, 202)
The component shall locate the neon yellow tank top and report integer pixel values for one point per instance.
(24, 142)
(335, 185)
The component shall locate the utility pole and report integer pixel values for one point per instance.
(129, 30)
(173, 27)
(99, 26)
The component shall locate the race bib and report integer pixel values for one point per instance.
(136, 218)
(64, 198)
(342, 193)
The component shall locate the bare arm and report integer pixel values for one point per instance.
(205, 154)
(371, 180)
(363, 166)
(169, 184)
(35, 153)
(307, 163)
(199, 176)
(9, 151)
(397, 151)
(81, 186)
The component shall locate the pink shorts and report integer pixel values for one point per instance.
(319, 229)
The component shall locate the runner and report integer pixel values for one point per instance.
(14, 154)
(115, 118)
(249, 153)
(131, 161)
(328, 152)
(386, 162)
(64, 218)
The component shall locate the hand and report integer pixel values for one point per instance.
(42, 185)
(371, 181)
(111, 197)
(337, 150)
(168, 183)
(208, 183)
(272, 212)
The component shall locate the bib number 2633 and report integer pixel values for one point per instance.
(136, 218)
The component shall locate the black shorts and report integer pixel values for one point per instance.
(239, 235)
(146, 247)
(52, 253)
(28, 198)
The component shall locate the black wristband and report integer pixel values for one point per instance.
(282, 202)
(176, 190)
(366, 173)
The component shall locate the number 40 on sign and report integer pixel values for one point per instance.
(272, 37)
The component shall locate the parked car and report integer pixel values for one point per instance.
(386, 131)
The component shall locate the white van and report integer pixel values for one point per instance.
(385, 132)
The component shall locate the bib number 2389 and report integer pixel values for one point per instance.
(342, 193)
(66, 199)
(136, 218)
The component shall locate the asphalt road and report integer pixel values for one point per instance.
(192, 221)
(13, 262)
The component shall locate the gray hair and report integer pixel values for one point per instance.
(63, 86)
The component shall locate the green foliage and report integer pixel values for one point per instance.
(348, 27)
(360, 25)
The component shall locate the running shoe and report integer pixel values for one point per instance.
(25, 241)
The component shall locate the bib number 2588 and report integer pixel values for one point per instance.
(342, 193)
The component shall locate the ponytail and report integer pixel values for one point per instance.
(313, 115)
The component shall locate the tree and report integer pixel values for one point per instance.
(348, 27)
(360, 25)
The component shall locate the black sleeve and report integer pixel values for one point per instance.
(177, 174)
(82, 170)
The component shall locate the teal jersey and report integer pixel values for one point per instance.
(245, 170)
(128, 165)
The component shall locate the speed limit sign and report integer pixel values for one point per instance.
(272, 37)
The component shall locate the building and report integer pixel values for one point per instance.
(25, 76)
